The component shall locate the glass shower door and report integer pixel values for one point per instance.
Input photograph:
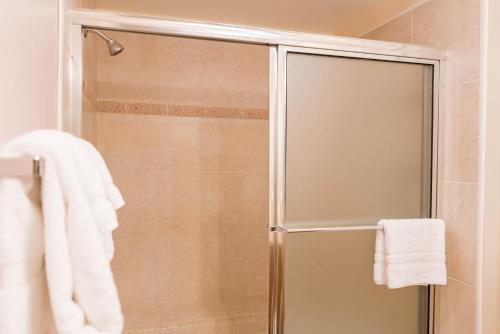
(355, 146)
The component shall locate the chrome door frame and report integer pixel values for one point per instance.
(245, 34)
(277, 170)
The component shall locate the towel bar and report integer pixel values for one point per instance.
(21, 167)
(287, 229)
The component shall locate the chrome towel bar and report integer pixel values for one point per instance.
(21, 167)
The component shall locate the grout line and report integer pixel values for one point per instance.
(223, 199)
(204, 322)
(470, 285)
(263, 234)
(157, 228)
(461, 83)
(412, 38)
(207, 171)
(459, 182)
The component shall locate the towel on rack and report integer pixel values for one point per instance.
(24, 300)
(410, 252)
(103, 196)
(79, 204)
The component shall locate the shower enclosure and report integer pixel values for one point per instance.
(255, 164)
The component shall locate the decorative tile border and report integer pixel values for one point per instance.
(145, 108)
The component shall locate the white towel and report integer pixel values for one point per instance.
(78, 217)
(25, 309)
(105, 207)
(24, 300)
(410, 252)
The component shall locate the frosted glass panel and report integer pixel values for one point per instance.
(358, 149)
(354, 139)
(329, 288)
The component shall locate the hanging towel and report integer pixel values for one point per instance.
(24, 300)
(410, 252)
(78, 205)
(25, 309)
(106, 215)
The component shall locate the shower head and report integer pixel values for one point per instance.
(114, 47)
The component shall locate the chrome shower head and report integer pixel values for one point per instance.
(114, 47)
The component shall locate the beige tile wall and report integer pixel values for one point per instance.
(191, 249)
(183, 71)
(454, 25)
(192, 244)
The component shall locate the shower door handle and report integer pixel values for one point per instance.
(286, 229)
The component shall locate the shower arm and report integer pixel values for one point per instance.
(97, 32)
(114, 47)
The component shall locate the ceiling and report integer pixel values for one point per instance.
(336, 17)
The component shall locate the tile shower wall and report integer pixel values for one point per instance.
(454, 25)
(183, 126)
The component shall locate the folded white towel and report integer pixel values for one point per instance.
(78, 217)
(410, 252)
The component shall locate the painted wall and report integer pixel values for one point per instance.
(454, 25)
(28, 66)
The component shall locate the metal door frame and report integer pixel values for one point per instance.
(277, 170)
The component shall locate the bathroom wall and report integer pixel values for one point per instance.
(454, 25)
(28, 66)
(183, 126)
